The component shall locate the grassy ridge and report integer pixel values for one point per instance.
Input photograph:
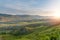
(39, 33)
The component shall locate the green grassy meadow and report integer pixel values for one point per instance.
(30, 31)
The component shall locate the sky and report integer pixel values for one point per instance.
(29, 7)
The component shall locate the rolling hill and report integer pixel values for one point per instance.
(28, 27)
(35, 33)
(9, 18)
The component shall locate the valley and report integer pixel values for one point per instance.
(22, 28)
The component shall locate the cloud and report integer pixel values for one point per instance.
(31, 7)
(24, 12)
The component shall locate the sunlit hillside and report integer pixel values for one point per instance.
(32, 33)
(35, 28)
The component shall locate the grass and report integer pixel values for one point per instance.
(39, 33)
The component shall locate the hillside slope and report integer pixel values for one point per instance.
(28, 27)
(45, 33)
(39, 33)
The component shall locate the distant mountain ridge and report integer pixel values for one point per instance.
(8, 17)
(4, 14)
(22, 15)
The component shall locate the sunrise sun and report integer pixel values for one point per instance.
(56, 14)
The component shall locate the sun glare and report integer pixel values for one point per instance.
(56, 14)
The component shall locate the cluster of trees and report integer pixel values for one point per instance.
(21, 31)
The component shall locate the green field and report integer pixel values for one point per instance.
(30, 31)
